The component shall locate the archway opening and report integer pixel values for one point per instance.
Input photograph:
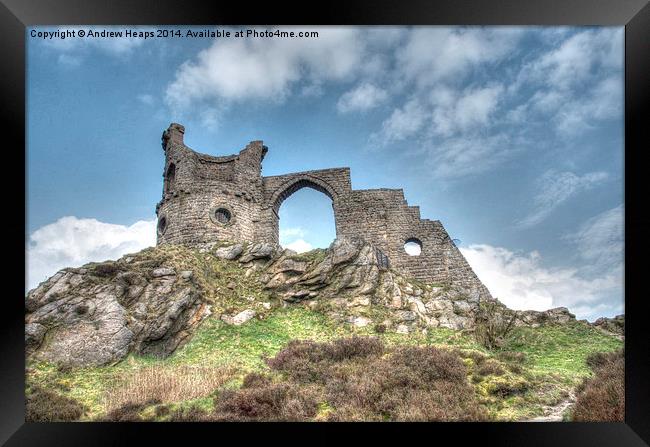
(306, 220)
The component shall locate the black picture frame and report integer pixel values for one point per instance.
(17, 15)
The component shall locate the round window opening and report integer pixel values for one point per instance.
(162, 225)
(413, 247)
(222, 216)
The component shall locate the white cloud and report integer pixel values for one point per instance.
(574, 61)
(578, 82)
(72, 242)
(600, 240)
(468, 155)
(555, 188)
(463, 111)
(266, 69)
(604, 101)
(521, 282)
(433, 54)
(292, 238)
(403, 123)
(299, 246)
(364, 97)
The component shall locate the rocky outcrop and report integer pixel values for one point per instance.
(97, 315)
(352, 284)
(151, 302)
(534, 318)
(615, 325)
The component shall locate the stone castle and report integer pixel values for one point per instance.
(207, 199)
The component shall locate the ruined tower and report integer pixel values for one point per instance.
(207, 199)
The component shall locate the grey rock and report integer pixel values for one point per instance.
(163, 271)
(74, 321)
(359, 321)
(229, 253)
(262, 250)
(242, 317)
(405, 315)
(402, 329)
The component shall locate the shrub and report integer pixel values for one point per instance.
(191, 414)
(256, 380)
(270, 402)
(493, 323)
(306, 361)
(602, 359)
(602, 397)
(106, 269)
(506, 387)
(412, 384)
(162, 410)
(129, 412)
(490, 368)
(43, 405)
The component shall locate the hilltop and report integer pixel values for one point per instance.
(205, 320)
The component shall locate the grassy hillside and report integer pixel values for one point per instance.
(537, 368)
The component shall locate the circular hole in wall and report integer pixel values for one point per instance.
(413, 247)
(222, 215)
(162, 225)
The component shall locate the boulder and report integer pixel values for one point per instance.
(262, 250)
(239, 319)
(359, 321)
(163, 271)
(75, 320)
(615, 325)
(229, 253)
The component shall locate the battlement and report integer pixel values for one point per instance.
(209, 198)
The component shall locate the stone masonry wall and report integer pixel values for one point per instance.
(208, 199)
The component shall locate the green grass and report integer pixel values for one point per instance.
(555, 358)
(561, 350)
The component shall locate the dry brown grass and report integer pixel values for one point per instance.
(165, 384)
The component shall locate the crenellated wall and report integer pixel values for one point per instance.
(208, 199)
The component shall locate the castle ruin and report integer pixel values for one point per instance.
(207, 199)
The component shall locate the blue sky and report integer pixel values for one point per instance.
(512, 137)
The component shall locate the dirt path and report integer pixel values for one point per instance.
(554, 413)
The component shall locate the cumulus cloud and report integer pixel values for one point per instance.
(299, 246)
(264, 69)
(72, 242)
(434, 54)
(578, 82)
(462, 125)
(403, 123)
(554, 189)
(364, 97)
(522, 282)
(576, 59)
(462, 111)
(292, 238)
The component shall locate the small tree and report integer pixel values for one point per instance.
(493, 323)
